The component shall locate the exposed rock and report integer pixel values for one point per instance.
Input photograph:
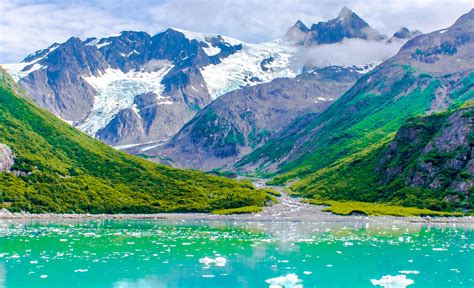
(346, 25)
(404, 34)
(7, 158)
(434, 152)
(237, 122)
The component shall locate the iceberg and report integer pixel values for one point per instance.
(218, 261)
(389, 281)
(288, 281)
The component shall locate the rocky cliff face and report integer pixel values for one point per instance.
(435, 152)
(6, 158)
(238, 122)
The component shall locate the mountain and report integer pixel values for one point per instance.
(94, 83)
(346, 25)
(239, 121)
(48, 166)
(430, 73)
(404, 34)
(99, 84)
(136, 88)
(429, 163)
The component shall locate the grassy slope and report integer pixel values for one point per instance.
(371, 209)
(355, 177)
(70, 172)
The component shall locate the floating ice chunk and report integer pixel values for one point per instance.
(439, 249)
(288, 281)
(43, 276)
(409, 272)
(81, 270)
(307, 272)
(218, 261)
(389, 281)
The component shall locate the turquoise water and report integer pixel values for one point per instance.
(233, 254)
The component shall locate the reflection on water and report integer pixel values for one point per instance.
(127, 253)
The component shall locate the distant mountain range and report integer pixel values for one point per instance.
(135, 88)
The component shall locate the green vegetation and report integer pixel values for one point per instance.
(372, 109)
(378, 173)
(59, 169)
(270, 191)
(372, 209)
(241, 210)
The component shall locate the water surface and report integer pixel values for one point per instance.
(128, 253)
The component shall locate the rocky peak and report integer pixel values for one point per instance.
(404, 34)
(296, 33)
(346, 25)
(345, 12)
(40, 53)
(301, 26)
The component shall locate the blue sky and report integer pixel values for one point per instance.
(26, 26)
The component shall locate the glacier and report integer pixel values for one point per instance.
(116, 91)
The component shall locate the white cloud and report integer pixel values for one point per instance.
(350, 52)
(27, 26)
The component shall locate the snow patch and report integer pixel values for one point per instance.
(16, 70)
(238, 69)
(201, 37)
(102, 44)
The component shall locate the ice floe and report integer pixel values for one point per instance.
(218, 261)
(389, 281)
(288, 281)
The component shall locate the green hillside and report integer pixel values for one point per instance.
(59, 169)
(428, 164)
(364, 116)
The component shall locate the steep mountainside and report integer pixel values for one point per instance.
(48, 165)
(429, 164)
(430, 73)
(346, 25)
(238, 122)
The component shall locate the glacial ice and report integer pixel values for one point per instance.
(389, 281)
(218, 261)
(117, 90)
(288, 281)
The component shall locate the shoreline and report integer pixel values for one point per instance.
(315, 215)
